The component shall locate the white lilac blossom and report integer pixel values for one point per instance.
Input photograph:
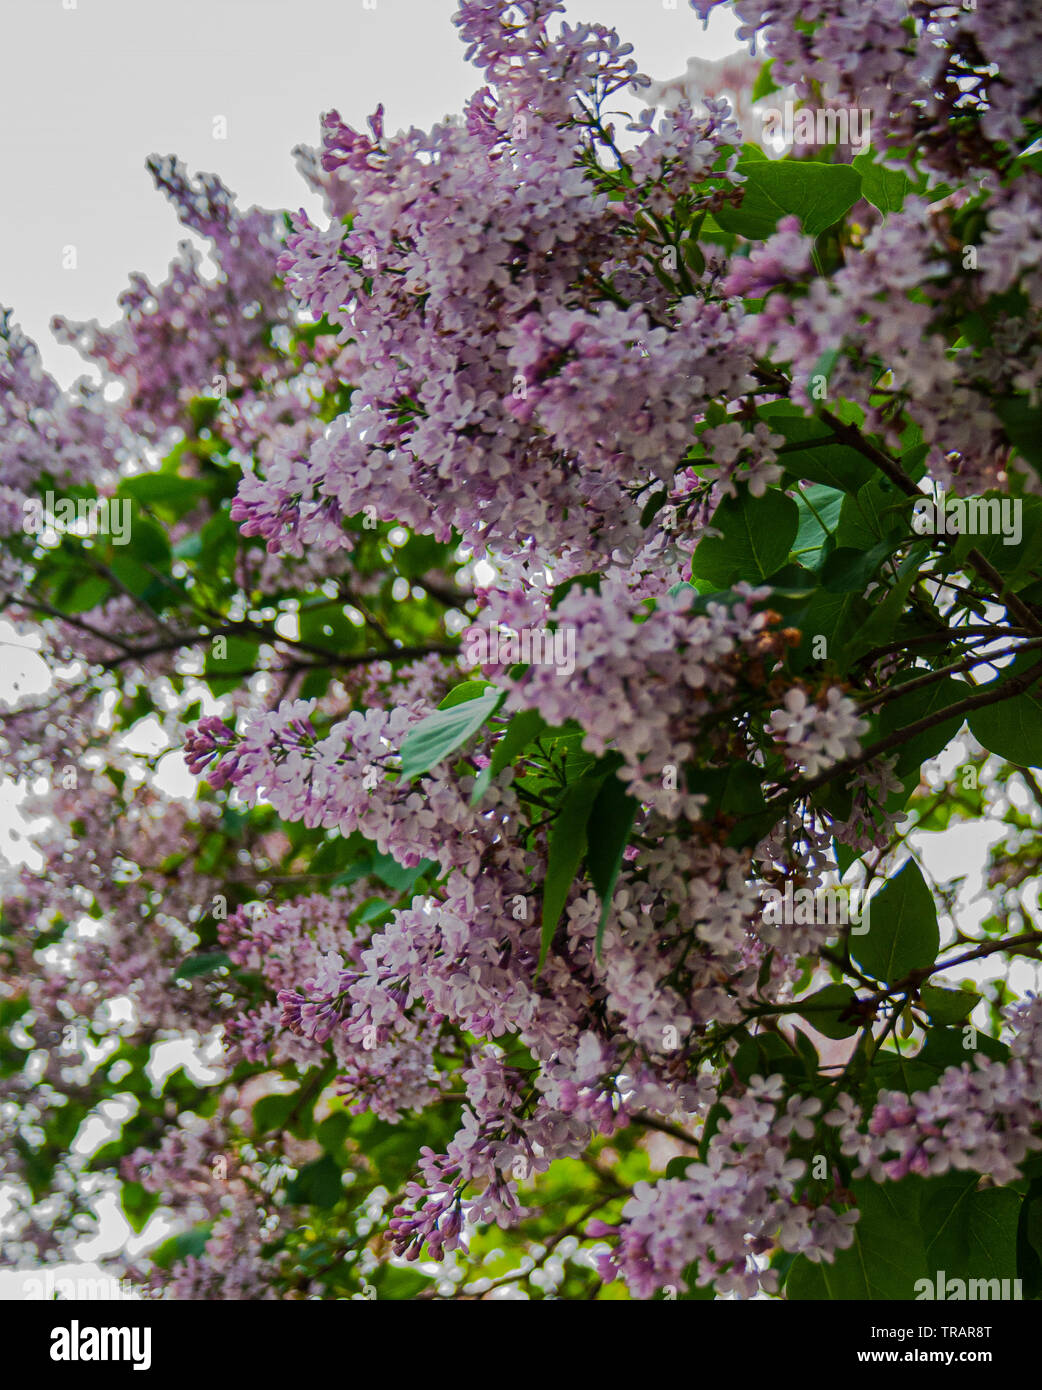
(816, 734)
(905, 62)
(982, 1116)
(725, 1212)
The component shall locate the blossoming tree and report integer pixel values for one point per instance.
(546, 525)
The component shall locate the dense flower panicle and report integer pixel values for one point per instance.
(471, 961)
(190, 1171)
(728, 1210)
(908, 63)
(1011, 248)
(623, 395)
(870, 825)
(510, 39)
(817, 734)
(287, 507)
(48, 438)
(642, 688)
(983, 1115)
(866, 304)
(177, 338)
(683, 150)
(502, 217)
(340, 782)
(784, 256)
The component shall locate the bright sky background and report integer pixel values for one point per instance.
(92, 87)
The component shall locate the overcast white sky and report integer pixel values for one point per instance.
(90, 88)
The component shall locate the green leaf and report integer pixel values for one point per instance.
(831, 616)
(822, 1011)
(765, 83)
(903, 934)
(138, 1205)
(1012, 729)
(584, 582)
(884, 188)
(164, 492)
(946, 1047)
(374, 865)
(86, 595)
(190, 548)
(849, 570)
(611, 821)
(885, 1259)
(1022, 423)
(905, 710)
(225, 672)
(810, 454)
(1016, 561)
(652, 507)
(203, 410)
(1029, 1241)
(737, 791)
(819, 508)
(333, 1132)
(442, 732)
(523, 729)
(180, 1247)
(386, 868)
(568, 839)
(334, 854)
(131, 575)
(148, 544)
(764, 1054)
(946, 1006)
(375, 908)
(884, 617)
(818, 194)
(201, 965)
(272, 1112)
(757, 535)
(318, 1184)
(873, 515)
(460, 694)
(970, 1234)
(914, 1230)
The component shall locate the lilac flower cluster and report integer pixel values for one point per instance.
(643, 688)
(174, 339)
(816, 734)
(47, 436)
(983, 1116)
(727, 1211)
(536, 437)
(912, 64)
